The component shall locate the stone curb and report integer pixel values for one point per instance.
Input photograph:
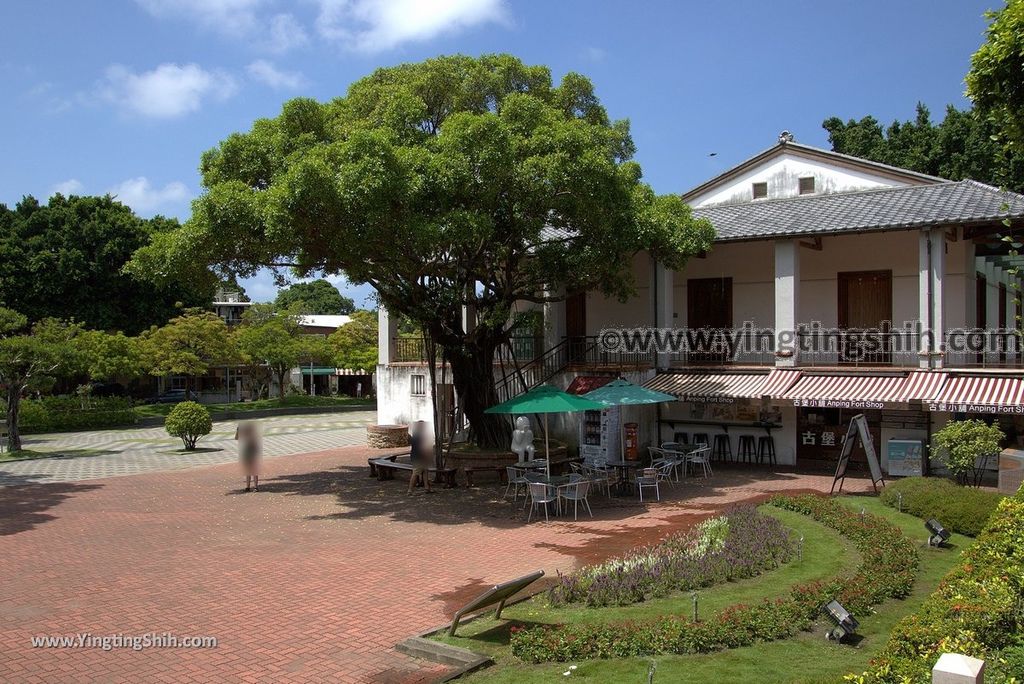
(217, 416)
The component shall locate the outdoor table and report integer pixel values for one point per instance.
(535, 464)
(623, 468)
(553, 482)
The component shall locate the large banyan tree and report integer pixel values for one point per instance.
(453, 182)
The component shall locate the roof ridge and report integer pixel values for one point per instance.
(821, 195)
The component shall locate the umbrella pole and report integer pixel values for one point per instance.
(547, 449)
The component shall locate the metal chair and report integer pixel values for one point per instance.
(665, 470)
(516, 479)
(576, 492)
(541, 494)
(701, 457)
(648, 478)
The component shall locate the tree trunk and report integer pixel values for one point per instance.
(280, 383)
(473, 377)
(188, 389)
(13, 406)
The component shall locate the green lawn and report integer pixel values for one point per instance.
(150, 410)
(805, 658)
(29, 454)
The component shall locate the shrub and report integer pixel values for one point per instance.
(739, 545)
(190, 421)
(976, 609)
(962, 442)
(887, 570)
(960, 509)
(56, 414)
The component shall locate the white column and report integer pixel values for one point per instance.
(938, 276)
(992, 275)
(387, 331)
(931, 271)
(554, 320)
(664, 310)
(787, 305)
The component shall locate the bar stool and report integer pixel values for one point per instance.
(746, 451)
(700, 439)
(723, 448)
(766, 449)
(681, 438)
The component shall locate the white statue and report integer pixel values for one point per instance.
(522, 439)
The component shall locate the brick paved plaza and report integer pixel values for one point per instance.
(314, 578)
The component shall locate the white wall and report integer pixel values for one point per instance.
(604, 312)
(782, 174)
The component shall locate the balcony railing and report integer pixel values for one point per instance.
(984, 349)
(409, 349)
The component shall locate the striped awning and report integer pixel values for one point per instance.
(922, 385)
(778, 381)
(846, 391)
(979, 394)
(712, 388)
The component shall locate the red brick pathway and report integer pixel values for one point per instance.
(315, 578)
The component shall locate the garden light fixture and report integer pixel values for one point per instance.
(845, 623)
(939, 533)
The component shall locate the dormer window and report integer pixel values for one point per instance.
(807, 185)
(760, 190)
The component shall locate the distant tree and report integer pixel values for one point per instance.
(106, 356)
(64, 260)
(29, 360)
(188, 345)
(961, 444)
(961, 146)
(272, 339)
(452, 182)
(995, 82)
(316, 297)
(354, 345)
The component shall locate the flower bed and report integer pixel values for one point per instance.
(960, 509)
(976, 610)
(888, 567)
(742, 544)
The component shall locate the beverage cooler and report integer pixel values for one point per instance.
(599, 434)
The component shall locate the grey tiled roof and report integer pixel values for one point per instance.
(940, 204)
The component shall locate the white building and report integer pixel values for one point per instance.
(820, 258)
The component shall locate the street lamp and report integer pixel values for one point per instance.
(845, 623)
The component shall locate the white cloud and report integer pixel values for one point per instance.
(230, 17)
(237, 19)
(168, 91)
(139, 194)
(71, 186)
(377, 25)
(265, 72)
(285, 33)
(594, 54)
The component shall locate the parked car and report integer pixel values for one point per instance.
(172, 396)
(108, 389)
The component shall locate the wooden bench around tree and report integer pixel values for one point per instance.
(384, 467)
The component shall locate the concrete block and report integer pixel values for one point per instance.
(955, 668)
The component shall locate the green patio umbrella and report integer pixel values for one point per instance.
(620, 392)
(545, 399)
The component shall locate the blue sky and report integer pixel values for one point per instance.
(123, 97)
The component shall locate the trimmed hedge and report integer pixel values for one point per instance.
(888, 568)
(59, 414)
(960, 509)
(189, 421)
(976, 610)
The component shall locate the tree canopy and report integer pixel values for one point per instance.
(452, 182)
(273, 338)
(188, 345)
(354, 344)
(64, 260)
(995, 82)
(316, 297)
(960, 146)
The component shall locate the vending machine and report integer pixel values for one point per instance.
(599, 435)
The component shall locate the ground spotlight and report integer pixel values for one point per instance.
(845, 623)
(939, 533)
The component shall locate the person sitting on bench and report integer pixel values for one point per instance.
(421, 456)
